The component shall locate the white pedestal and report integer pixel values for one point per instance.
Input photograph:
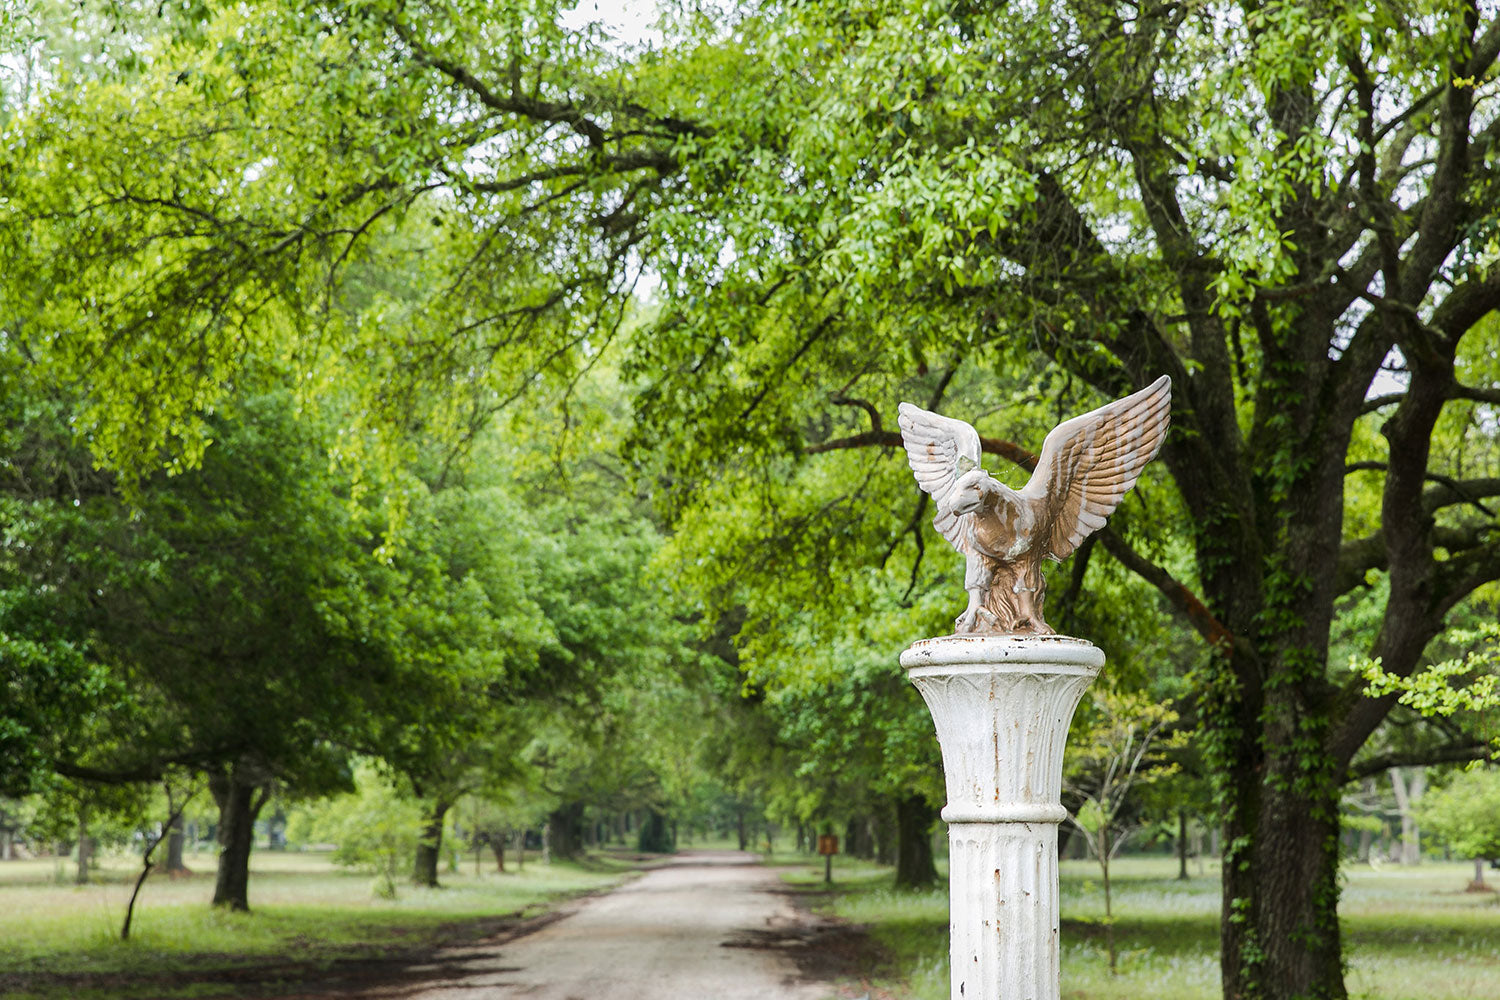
(1001, 706)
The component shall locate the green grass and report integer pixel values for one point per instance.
(1409, 934)
(59, 940)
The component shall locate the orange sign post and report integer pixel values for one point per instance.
(828, 846)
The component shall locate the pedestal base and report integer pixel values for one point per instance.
(1001, 706)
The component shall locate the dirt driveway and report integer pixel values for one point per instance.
(704, 926)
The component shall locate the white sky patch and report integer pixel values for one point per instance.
(632, 22)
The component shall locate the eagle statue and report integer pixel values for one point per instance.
(1087, 466)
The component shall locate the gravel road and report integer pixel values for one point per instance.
(705, 926)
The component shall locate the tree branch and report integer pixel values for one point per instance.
(864, 404)
(892, 439)
(1448, 493)
(533, 108)
(1474, 393)
(1358, 556)
(1449, 753)
(1182, 600)
(1460, 575)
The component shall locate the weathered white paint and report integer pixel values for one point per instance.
(1001, 706)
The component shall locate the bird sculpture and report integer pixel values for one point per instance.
(1087, 466)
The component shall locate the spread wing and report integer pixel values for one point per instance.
(1089, 463)
(934, 445)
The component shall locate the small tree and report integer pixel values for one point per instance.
(1120, 751)
(1466, 813)
(376, 828)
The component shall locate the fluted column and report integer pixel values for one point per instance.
(1001, 706)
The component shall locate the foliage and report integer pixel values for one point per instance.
(1465, 813)
(375, 827)
(1470, 682)
(1122, 749)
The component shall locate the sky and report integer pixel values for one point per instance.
(628, 20)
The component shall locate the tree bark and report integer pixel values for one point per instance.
(565, 829)
(1407, 795)
(240, 801)
(430, 847)
(914, 865)
(1279, 930)
(654, 836)
(175, 838)
(1182, 845)
(885, 837)
(1479, 884)
(85, 847)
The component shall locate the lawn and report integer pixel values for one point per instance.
(1410, 934)
(60, 940)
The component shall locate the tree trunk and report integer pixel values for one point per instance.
(1479, 884)
(654, 837)
(739, 817)
(430, 847)
(914, 865)
(175, 838)
(1279, 932)
(565, 826)
(521, 849)
(1182, 845)
(497, 844)
(85, 847)
(885, 838)
(1407, 796)
(239, 803)
(1106, 849)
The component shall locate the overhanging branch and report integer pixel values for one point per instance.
(1360, 555)
(892, 439)
(1449, 753)
(1180, 597)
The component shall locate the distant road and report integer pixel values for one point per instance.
(705, 926)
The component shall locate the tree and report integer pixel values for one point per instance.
(236, 611)
(1120, 751)
(1288, 207)
(1466, 813)
(376, 827)
(1314, 259)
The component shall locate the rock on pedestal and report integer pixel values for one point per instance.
(1002, 705)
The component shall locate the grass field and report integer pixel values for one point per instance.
(1409, 934)
(60, 940)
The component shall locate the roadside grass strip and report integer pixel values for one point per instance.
(1408, 934)
(60, 940)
